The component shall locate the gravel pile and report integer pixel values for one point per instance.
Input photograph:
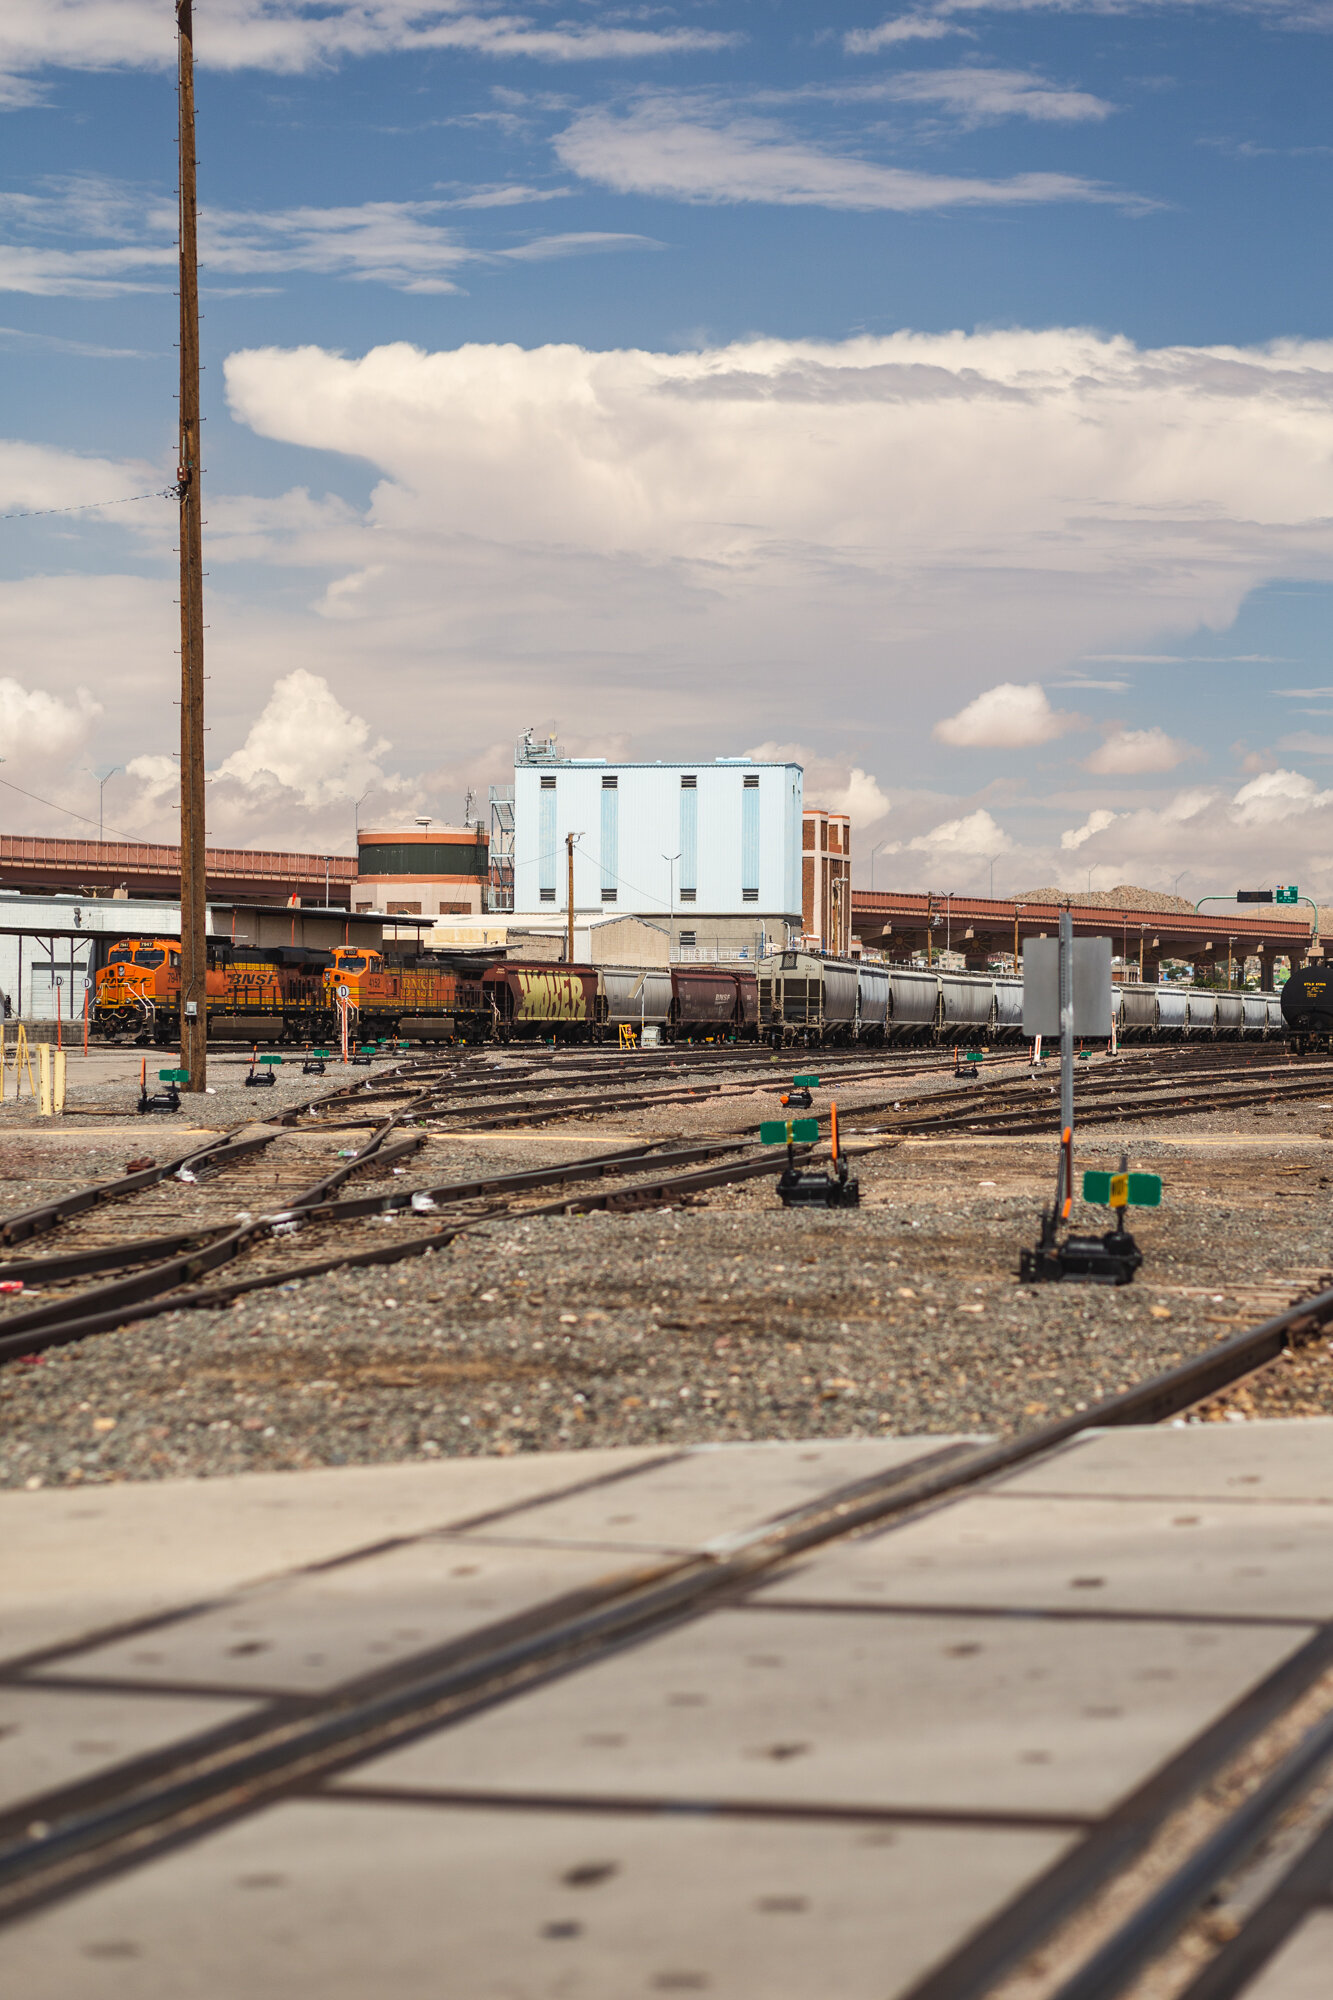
(727, 1319)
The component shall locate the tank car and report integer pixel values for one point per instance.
(1307, 1008)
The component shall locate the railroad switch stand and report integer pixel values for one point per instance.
(162, 1100)
(1111, 1259)
(810, 1187)
(314, 1063)
(262, 1078)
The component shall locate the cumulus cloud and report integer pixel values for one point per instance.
(36, 726)
(1137, 752)
(691, 149)
(903, 28)
(1008, 717)
(962, 842)
(1277, 796)
(308, 741)
(1096, 822)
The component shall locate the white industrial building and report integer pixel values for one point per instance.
(710, 850)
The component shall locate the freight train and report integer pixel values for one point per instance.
(793, 998)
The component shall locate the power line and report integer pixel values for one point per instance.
(90, 507)
(71, 814)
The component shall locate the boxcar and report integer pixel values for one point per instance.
(557, 1000)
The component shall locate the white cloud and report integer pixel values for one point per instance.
(1008, 717)
(290, 36)
(961, 842)
(905, 28)
(39, 727)
(978, 95)
(310, 743)
(398, 243)
(690, 149)
(1096, 822)
(1277, 796)
(1136, 752)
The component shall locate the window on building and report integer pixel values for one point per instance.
(546, 854)
(610, 838)
(750, 840)
(404, 909)
(687, 937)
(689, 838)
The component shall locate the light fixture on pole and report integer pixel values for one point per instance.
(101, 787)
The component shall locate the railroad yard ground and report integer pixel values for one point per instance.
(714, 1316)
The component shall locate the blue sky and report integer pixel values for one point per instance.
(943, 392)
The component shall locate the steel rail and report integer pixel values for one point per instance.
(221, 1151)
(21, 1332)
(1306, 1886)
(1157, 1920)
(241, 1776)
(107, 1307)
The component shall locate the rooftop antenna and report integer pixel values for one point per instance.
(194, 886)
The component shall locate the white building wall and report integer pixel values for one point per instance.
(648, 832)
(31, 961)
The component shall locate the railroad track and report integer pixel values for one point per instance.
(70, 1838)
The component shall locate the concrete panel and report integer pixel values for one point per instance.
(312, 1631)
(75, 1561)
(348, 1901)
(1303, 1969)
(1291, 1460)
(715, 1493)
(857, 1709)
(1186, 1556)
(49, 1738)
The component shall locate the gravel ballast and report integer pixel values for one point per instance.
(726, 1319)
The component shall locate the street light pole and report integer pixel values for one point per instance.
(101, 788)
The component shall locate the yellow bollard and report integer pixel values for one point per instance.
(44, 1079)
(22, 1059)
(58, 1083)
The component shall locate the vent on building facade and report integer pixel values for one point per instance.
(608, 895)
(548, 784)
(548, 895)
(751, 784)
(749, 895)
(689, 784)
(688, 895)
(687, 937)
(610, 784)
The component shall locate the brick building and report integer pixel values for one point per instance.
(826, 879)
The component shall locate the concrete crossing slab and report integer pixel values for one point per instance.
(716, 1491)
(77, 1561)
(1178, 1557)
(351, 1900)
(1255, 1461)
(320, 1628)
(855, 1709)
(1303, 1969)
(50, 1738)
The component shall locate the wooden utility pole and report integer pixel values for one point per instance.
(570, 838)
(194, 888)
